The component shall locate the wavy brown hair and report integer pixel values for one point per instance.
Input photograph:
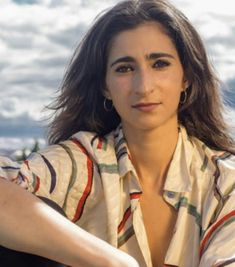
(79, 107)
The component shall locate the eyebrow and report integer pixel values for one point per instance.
(148, 57)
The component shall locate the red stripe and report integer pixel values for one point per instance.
(135, 195)
(37, 184)
(80, 146)
(26, 162)
(125, 218)
(213, 228)
(100, 143)
(87, 190)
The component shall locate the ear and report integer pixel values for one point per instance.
(185, 84)
(106, 94)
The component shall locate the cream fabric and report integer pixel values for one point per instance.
(95, 182)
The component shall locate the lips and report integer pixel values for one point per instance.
(146, 107)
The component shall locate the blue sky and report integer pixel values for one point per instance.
(37, 38)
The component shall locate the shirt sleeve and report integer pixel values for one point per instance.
(9, 170)
(62, 173)
(46, 173)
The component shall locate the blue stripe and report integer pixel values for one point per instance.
(10, 168)
(53, 174)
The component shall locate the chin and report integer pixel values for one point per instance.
(151, 125)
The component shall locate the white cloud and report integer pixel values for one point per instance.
(8, 145)
(194, 9)
(215, 21)
(36, 42)
(229, 117)
(211, 26)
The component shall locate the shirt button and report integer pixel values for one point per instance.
(170, 194)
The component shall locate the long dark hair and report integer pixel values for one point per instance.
(79, 106)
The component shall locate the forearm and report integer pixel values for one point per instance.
(27, 224)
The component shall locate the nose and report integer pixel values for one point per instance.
(143, 82)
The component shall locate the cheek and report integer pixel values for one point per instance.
(118, 88)
(120, 97)
(173, 85)
(171, 96)
(171, 93)
(173, 78)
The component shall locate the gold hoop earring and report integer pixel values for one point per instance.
(107, 107)
(183, 97)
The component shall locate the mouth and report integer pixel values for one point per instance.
(146, 107)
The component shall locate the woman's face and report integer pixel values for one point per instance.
(144, 77)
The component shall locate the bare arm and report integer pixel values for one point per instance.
(27, 224)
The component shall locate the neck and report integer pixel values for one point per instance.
(151, 152)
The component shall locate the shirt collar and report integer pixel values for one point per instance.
(122, 152)
(178, 178)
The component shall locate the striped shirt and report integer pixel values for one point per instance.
(94, 181)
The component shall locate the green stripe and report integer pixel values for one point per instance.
(225, 156)
(123, 239)
(108, 168)
(192, 210)
(229, 190)
(229, 221)
(73, 174)
(226, 262)
(105, 145)
(34, 181)
(221, 203)
(204, 165)
(222, 199)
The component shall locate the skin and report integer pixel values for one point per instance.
(144, 68)
(45, 232)
(144, 79)
(158, 81)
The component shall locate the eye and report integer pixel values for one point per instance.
(124, 69)
(160, 64)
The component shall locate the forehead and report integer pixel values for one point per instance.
(149, 36)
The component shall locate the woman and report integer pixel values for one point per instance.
(140, 155)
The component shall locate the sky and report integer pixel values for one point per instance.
(38, 37)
